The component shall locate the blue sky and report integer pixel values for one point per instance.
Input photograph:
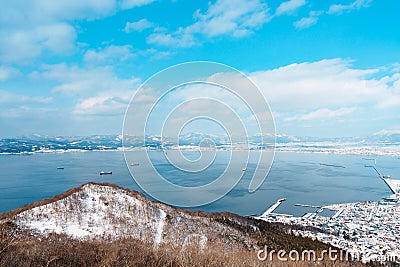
(327, 68)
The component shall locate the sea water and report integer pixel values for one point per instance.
(302, 178)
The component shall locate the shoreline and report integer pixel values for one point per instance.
(364, 151)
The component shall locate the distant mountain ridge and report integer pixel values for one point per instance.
(34, 144)
(45, 144)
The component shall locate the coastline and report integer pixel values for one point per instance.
(364, 151)
(366, 230)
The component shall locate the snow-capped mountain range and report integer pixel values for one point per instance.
(381, 140)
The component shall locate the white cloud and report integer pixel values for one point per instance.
(32, 28)
(155, 54)
(43, 12)
(309, 91)
(7, 73)
(92, 90)
(236, 18)
(321, 88)
(160, 54)
(216, 93)
(314, 15)
(110, 53)
(106, 103)
(289, 7)
(357, 4)
(228, 17)
(138, 26)
(177, 39)
(75, 9)
(84, 82)
(396, 67)
(58, 37)
(305, 22)
(322, 114)
(128, 4)
(25, 111)
(23, 44)
(11, 98)
(321, 84)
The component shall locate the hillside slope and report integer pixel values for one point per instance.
(107, 212)
(106, 225)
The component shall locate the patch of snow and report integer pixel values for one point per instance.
(160, 227)
(195, 239)
(203, 241)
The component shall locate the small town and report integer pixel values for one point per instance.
(367, 231)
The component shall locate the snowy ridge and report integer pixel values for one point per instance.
(105, 212)
(385, 142)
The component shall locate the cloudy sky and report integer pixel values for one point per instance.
(327, 68)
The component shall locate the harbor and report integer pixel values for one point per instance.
(367, 231)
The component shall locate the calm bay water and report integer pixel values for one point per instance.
(297, 176)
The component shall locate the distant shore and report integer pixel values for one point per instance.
(362, 150)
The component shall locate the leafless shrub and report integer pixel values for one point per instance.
(58, 250)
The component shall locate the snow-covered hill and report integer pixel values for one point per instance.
(106, 225)
(107, 212)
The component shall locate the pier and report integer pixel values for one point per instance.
(337, 214)
(372, 159)
(394, 185)
(271, 209)
(332, 165)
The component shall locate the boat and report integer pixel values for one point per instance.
(244, 169)
(105, 173)
(60, 168)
